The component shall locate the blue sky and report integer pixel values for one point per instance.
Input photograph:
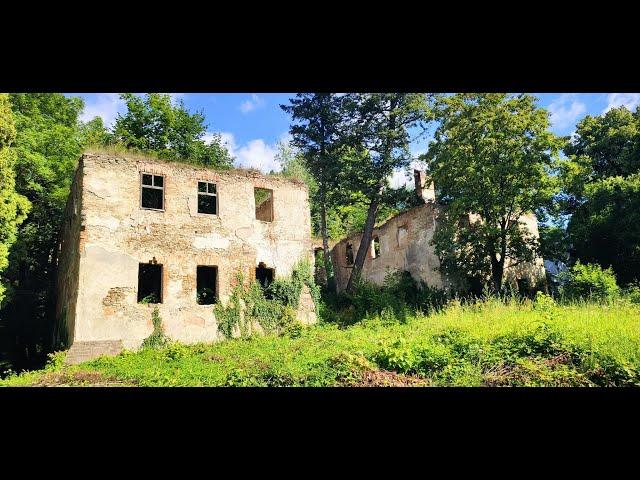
(251, 124)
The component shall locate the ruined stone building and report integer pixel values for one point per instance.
(404, 243)
(139, 233)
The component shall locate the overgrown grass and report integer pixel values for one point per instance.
(492, 343)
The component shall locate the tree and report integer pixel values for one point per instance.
(94, 132)
(154, 124)
(47, 146)
(602, 146)
(350, 214)
(378, 132)
(554, 243)
(605, 229)
(317, 120)
(491, 161)
(13, 206)
(600, 191)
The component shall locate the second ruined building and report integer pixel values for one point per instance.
(404, 243)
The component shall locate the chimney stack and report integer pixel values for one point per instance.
(426, 194)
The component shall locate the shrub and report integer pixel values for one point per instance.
(273, 309)
(632, 293)
(392, 301)
(417, 295)
(396, 356)
(589, 281)
(546, 305)
(157, 339)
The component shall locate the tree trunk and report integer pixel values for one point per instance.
(497, 271)
(325, 243)
(365, 244)
(497, 267)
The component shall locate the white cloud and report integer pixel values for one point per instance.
(629, 100)
(253, 103)
(566, 110)
(208, 137)
(285, 138)
(253, 154)
(402, 177)
(399, 178)
(104, 105)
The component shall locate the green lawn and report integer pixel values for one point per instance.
(491, 343)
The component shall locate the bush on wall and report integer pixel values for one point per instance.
(273, 308)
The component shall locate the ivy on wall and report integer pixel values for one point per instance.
(273, 308)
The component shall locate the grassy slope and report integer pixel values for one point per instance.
(487, 344)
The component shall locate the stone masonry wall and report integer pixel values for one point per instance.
(404, 245)
(120, 235)
(70, 242)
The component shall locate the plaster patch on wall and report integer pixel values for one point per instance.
(175, 287)
(108, 222)
(211, 241)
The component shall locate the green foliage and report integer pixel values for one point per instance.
(294, 166)
(492, 343)
(393, 301)
(151, 298)
(351, 144)
(589, 281)
(95, 133)
(46, 149)
(156, 125)
(13, 206)
(157, 339)
(632, 293)
(546, 305)
(493, 156)
(554, 243)
(274, 310)
(605, 229)
(601, 191)
(603, 146)
(230, 315)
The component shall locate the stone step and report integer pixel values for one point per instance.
(88, 350)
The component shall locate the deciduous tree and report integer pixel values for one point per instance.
(47, 146)
(601, 180)
(317, 130)
(492, 161)
(13, 206)
(155, 124)
(378, 128)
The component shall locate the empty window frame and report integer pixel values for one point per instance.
(264, 275)
(524, 287)
(149, 283)
(403, 232)
(375, 247)
(206, 284)
(207, 198)
(152, 191)
(264, 204)
(349, 254)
